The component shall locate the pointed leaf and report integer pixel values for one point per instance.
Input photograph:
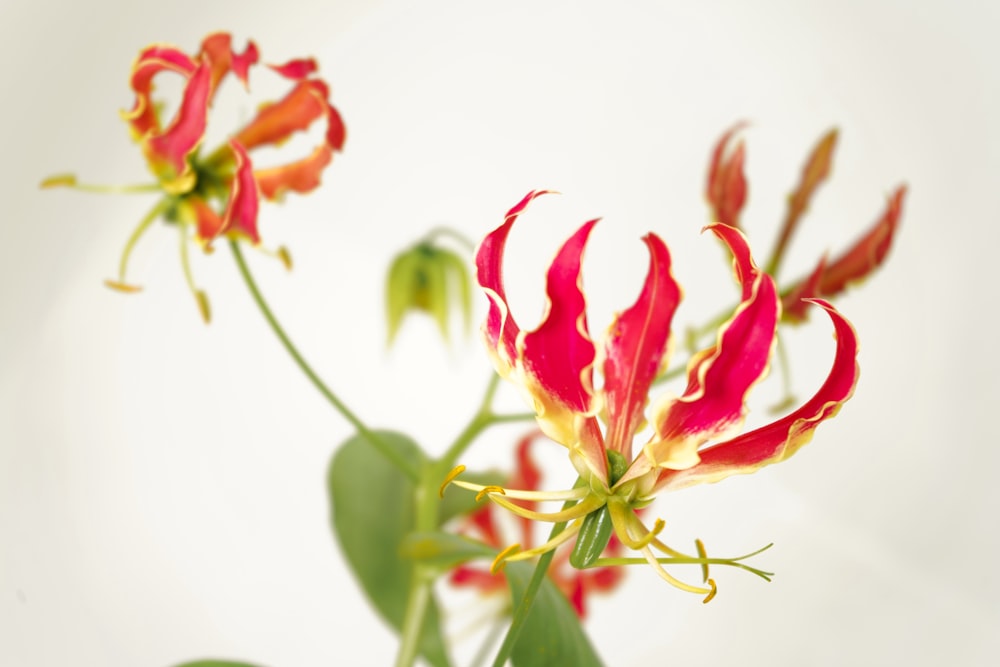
(373, 511)
(552, 635)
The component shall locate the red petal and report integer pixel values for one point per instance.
(295, 112)
(635, 347)
(814, 172)
(778, 441)
(296, 69)
(209, 223)
(868, 253)
(218, 48)
(559, 354)
(726, 189)
(170, 149)
(499, 329)
(302, 176)
(151, 61)
(720, 377)
(241, 211)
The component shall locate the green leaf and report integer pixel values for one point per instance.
(552, 635)
(443, 551)
(373, 511)
(217, 663)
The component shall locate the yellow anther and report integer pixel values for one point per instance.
(122, 287)
(704, 566)
(449, 478)
(501, 558)
(487, 490)
(711, 593)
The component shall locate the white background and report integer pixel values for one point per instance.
(162, 482)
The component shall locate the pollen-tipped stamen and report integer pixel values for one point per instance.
(700, 546)
(121, 284)
(577, 511)
(199, 295)
(501, 559)
(554, 543)
(449, 478)
(487, 490)
(577, 493)
(674, 581)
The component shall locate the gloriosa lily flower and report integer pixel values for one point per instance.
(576, 585)
(554, 364)
(218, 194)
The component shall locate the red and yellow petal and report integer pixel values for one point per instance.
(142, 117)
(276, 122)
(779, 440)
(726, 189)
(635, 348)
(168, 152)
(720, 377)
(240, 217)
(217, 47)
(302, 176)
(500, 331)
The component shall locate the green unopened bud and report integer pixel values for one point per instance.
(430, 279)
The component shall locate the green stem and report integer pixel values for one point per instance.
(524, 606)
(422, 577)
(443, 230)
(405, 466)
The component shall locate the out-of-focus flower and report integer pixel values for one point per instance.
(830, 278)
(575, 584)
(431, 279)
(554, 365)
(217, 194)
(726, 188)
(726, 194)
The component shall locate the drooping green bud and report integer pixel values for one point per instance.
(431, 279)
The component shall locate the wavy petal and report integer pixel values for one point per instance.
(240, 217)
(218, 48)
(726, 189)
(168, 151)
(152, 60)
(635, 347)
(302, 176)
(720, 377)
(779, 440)
(276, 122)
(557, 358)
(499, 328)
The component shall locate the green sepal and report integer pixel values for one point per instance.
(593, 538)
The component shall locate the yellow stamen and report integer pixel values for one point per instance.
(122, 287)
(199, 295)
(554, 543)
(487, 490)
(715, 589)
(449, 478)
(581, 509)
(704, 566)
(624, 519)
(501, 559)
(673, 581)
